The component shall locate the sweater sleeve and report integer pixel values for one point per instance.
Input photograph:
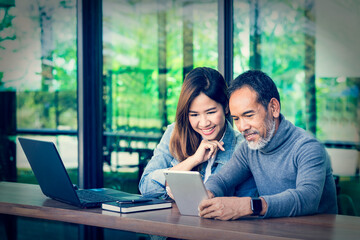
(310, 180)
(232, 173)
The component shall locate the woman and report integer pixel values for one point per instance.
(200, 139)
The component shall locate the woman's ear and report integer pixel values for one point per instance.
(227, 111)
(274, 107)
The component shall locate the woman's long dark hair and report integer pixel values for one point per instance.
(184, 140)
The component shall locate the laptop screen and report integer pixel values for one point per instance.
(49, 170)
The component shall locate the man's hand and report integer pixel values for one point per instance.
(225, 208)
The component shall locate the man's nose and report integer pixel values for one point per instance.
(242, 125)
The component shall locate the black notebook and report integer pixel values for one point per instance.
(129, 207)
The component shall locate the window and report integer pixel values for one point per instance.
(149, 46)
(38, 63)
(311, 56)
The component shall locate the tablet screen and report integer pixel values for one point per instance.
(188, 190)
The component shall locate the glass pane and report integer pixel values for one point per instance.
(337, 69)
(284, 39)
(283, 54)
(148, 48)
(268, 35)
(38, 63)
(337, 105)
(241, 48)
(38, 81)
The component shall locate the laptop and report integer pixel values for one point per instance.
(55, 182)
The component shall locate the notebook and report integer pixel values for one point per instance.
(55, 182)
(188, 190)
(130, 207)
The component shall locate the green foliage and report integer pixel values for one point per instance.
(283, 55)
(54, 110)
(132, 53)
(337, 106)
(132, 64)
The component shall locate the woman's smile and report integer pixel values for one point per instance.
(208, 131)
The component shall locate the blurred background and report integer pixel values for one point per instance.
(309, 47)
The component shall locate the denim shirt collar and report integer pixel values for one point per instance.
(229, 143)
(222, 157)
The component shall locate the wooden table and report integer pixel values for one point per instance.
(27, 200)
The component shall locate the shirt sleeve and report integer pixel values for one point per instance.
(152, 182)
(310, 180)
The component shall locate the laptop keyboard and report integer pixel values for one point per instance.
(90, 196)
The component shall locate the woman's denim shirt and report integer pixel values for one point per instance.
(152, 182)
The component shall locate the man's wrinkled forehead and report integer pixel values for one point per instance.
(254, 92)
(247, 87)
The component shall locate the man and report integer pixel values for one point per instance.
(291, 168)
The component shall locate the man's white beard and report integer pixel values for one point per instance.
(270, 129)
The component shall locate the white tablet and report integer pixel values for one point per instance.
(188, 190)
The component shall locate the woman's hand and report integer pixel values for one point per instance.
(206, 150)
(169, 193)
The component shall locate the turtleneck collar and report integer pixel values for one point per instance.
(282, 134)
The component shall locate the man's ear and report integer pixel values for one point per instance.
(274, 107)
